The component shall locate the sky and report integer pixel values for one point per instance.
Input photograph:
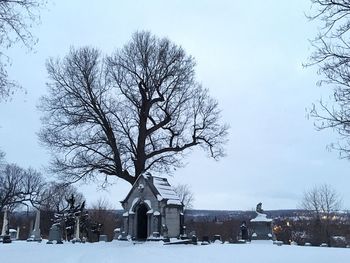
(250, 58)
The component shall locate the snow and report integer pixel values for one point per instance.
(119, 251)
(133, 204)
(261, 218)
(173, 202)
(148, 202)
(165, 190)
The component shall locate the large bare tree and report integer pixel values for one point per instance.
(16, 19)
(139, 109)
(332, 56)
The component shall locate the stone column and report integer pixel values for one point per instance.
(132, 225)
(77, 229)
(5, 224)
(36, 235)
(18, 229)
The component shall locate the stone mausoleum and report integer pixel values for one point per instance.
(152, 210)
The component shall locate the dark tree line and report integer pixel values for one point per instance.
(138, 109)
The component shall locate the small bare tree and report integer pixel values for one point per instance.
(19, 186)
(102, 211)
(55, 195)
(139, 109)
(16, 19)
(185, 194)
(322, 202)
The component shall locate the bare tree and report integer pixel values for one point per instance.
(185, 194)
(332, 56)
(55, 195)
(102, 204)
(16, 19)
(322, 202)
(19, 186)
(139, 109)
(102, 211)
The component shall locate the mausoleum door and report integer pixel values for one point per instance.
(142, 221)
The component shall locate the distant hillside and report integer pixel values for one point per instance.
(224, 215)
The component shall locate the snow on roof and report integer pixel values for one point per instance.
(173, 202)
(166, 191)
(261, 218)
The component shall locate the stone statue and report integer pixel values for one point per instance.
(259, 208)
(244, 231)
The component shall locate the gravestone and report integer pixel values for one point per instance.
(13, 234)
(18, 229)
(194, 239)
(103, 238)
(217, 239)
(205, 240)
(36, 235)
(183, 233)
(261, 225)
(55, 235)
(76, 231)
(117, 234)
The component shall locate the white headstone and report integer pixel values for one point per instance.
(17, 237)
(36, 235)
(77, 229)
(5, 224)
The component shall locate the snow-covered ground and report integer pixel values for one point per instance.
(20, 251)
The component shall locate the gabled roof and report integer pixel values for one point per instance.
(160, 187)
(166, 191)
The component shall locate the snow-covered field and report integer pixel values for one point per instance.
(156, 252)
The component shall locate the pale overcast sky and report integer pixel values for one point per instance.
(249, 55)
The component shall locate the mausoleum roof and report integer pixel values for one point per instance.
(166, 191)
(160, 187)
